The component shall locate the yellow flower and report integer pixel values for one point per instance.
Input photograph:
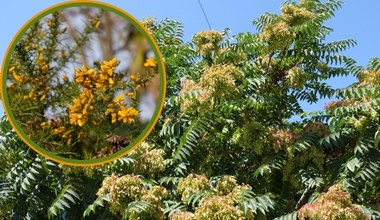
(59, 130)
(119, 98)
(132, 95)
(134, 78)
(80, 122)
(44, 68)
(97, 25)
(109, 111)
(40, 59)
(111, 82)
(114, 117)
(43, 97)
(151, 62)
(44, 125)
(83, 75)
(127, 115)
(109, 66)
(77, 119)
(18, 78)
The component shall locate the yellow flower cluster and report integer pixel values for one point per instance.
(101, 79)
(38, 92)
(119, 112)
(79, 110)
(18, 78)
(150, 62)
(84, 76)
(59, 129)
(54, 125)
(41, 63)
(155, 195)
(278, 34)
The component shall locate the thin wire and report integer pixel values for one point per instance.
(204, 13)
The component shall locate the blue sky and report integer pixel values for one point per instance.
(356, 20)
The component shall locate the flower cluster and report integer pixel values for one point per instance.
(277, 35)
(226, 184)
(295, 15)
(207, 41)
(149, 22)
(128, 188)
(251, 136)
(151, 62)
(79, 110)
(316, 127)
(334, 204)
(222, 201)
(102, 79)
(340, 103)
(148, 161)
(85, 77)
(181, 215)
(281, 138)
(218, 207)
(296, 77)
(54, 125)
(220, 78)
(121, 190)
(358, 123)
(369, 77)
(217, 81)
(193, 183)
(155, 197)
(188, 86)
(13, 71)
(119, 112)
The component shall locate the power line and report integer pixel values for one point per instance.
(204, 13)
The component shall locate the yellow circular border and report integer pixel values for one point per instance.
(155, 117)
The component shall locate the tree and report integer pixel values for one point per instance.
(225, 147)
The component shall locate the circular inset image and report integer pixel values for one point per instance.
(83, 83)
